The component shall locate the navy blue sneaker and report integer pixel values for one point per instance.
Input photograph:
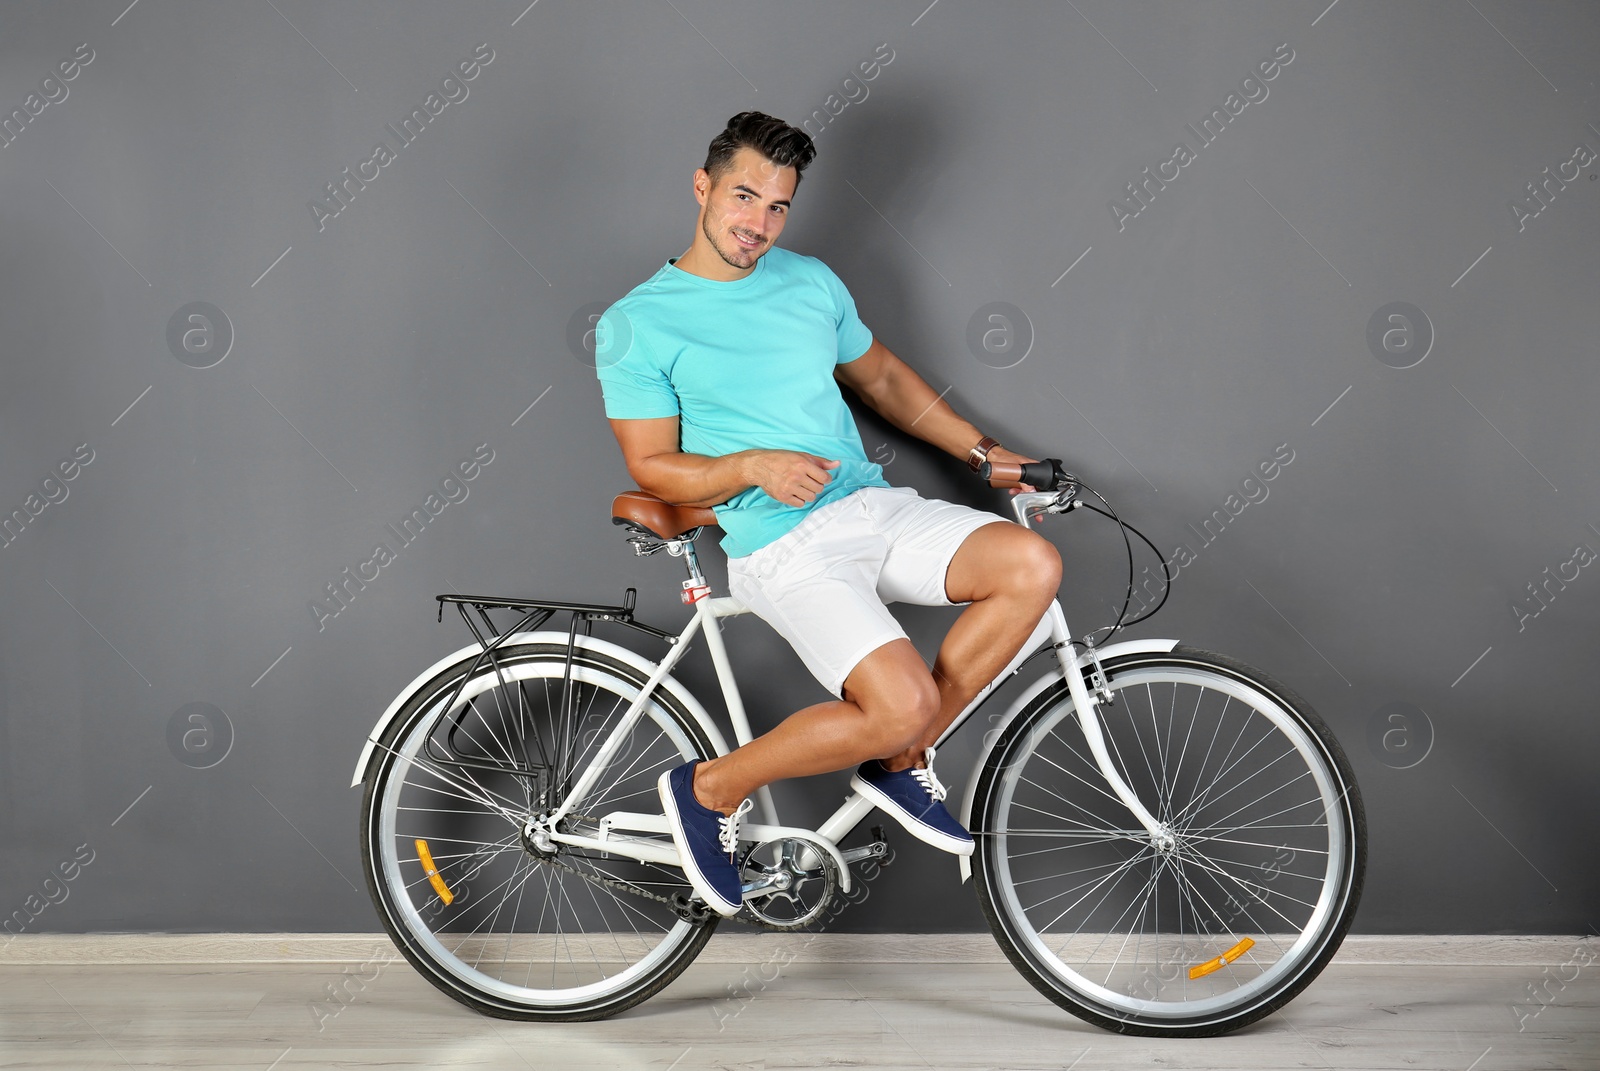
(912, 798)
(707, 840)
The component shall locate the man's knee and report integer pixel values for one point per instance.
(1003, 559)
(902, 703)
(1038, 564)
(1028, 563)
(896, 691)
(905, 720)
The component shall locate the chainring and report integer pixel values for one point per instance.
(803, 900)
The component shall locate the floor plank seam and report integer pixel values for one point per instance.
(958, 948)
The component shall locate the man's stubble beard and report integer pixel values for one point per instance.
(754, 255)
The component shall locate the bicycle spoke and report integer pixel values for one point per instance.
(1076, 845)
(1201, 797)
(1138, 738)
(502, 744)
(1237, 785)
(468, 875)
(1251, 843)
(1019, 883)
(1051, 814)
(1193, 719)
(1115, 875)
(1135, 929)
(505, 809)
(522, 887)
(1217, 870)
(1089, 831)
(1093, 785)
(1112, 928)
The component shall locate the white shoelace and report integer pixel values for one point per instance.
(728, 826)
(926, 779)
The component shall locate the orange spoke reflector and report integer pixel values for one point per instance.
(1211, 965)
(433, 874)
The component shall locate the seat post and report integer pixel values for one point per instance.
(691, 559)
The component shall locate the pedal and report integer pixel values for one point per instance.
(694, 912)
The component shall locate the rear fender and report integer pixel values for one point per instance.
(558, 639)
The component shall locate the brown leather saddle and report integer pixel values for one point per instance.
(661, 519)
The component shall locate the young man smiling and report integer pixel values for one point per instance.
(725, 393)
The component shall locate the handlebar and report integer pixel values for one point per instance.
(1046, 475)
(1049, 477)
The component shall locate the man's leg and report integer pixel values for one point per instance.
(889, 699)
(1009, 574)
(894, 708)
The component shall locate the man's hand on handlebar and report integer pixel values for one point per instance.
(1001, 454)
(1024, 476)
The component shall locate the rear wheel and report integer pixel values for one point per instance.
(1211, 928)
(501, 924)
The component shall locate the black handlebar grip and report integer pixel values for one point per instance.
(1042, 474)
(1046, 475)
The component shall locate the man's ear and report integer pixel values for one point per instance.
(702, 184)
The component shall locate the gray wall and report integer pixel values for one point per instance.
(363, 358)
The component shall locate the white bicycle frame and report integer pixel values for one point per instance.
(615, 829)
(708, 613)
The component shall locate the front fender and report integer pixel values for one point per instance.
(559, 639)
(992, 735)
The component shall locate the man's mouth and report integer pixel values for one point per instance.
(748, 243)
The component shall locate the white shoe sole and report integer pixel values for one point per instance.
(924, 833)
(697, 880)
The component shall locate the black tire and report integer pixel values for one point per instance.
(527, 935)
(1215, 931)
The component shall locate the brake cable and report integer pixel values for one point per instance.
(1110, 511)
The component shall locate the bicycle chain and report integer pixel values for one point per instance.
(748, 918)
(609, 883)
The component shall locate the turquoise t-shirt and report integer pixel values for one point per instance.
(744, 365)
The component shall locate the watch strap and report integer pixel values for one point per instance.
(980, 453)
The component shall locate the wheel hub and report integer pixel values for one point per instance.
(536, 836)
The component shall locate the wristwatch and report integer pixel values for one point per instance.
(980, 453)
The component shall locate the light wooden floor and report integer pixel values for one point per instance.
(976, 1014)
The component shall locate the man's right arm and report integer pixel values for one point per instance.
(650, 449)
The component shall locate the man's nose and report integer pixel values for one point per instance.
(750, 220)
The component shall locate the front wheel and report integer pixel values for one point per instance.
(1222, 921)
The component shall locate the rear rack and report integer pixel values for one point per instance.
(535, 613)
(538, 611)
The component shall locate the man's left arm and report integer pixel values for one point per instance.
(893, 390)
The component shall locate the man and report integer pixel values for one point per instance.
(721, 385)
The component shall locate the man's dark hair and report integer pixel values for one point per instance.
(784, 145)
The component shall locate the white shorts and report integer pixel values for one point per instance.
(823, 584)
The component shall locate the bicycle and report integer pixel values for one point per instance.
(1169, 842)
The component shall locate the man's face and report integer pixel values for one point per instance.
(743, 214)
